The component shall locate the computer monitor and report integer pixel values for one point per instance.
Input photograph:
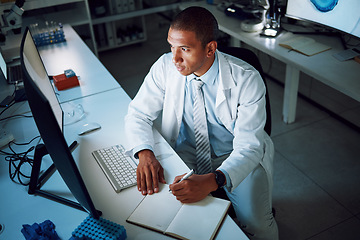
(339, 15)
(48, 117)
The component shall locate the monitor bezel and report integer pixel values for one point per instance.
(53, 137)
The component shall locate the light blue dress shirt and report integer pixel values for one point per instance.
(220, 138)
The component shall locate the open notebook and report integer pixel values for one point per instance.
(305, 45)
(163, 213)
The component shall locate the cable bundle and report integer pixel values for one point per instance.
(17, 162)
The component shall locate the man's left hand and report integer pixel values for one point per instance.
(193, 189)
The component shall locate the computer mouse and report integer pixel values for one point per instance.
(88, 128)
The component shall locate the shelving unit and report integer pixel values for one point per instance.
(103, 24)
(121, 26)
(73, 12)
(111, 32)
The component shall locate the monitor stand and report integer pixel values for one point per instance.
(37, 180)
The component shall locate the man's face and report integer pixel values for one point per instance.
(189, 56)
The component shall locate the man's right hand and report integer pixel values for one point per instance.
(149, 173)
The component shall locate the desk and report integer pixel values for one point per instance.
(17, 207)
(74, 54)
(342, 76)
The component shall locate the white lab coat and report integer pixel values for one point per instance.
(240, 106)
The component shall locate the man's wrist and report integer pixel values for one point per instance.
(213, 185)
(220, 178)
(144, 153)
(139, 148)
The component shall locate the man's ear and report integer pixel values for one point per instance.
(211, 46)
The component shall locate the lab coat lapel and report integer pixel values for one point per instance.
(178, 90)
(173, 106)
(223, 106)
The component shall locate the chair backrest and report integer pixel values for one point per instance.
(251, 58)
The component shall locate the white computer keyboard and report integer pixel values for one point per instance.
(119, 168)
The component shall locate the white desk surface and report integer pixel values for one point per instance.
(115, 206)
(74, 54)
(108, 108)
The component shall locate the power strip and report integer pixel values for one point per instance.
(5, 137)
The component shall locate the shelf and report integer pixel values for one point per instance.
(74, 17)
(36, 4)
(136, 13)
(77, 14)
(121, 45)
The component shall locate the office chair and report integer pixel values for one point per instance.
(251, 58)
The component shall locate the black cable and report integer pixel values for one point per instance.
(18, 160)
(10, 105)
(14, 116)
(27, 143)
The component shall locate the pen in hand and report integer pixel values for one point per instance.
(186, 176)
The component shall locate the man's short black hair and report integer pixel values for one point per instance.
(198, 20)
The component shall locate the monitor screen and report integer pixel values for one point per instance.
(48, 118)
(337, 14)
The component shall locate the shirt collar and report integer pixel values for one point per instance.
(211, 74)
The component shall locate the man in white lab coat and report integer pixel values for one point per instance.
(234, 93)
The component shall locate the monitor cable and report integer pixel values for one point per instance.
(17, 162)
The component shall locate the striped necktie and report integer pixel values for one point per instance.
(201, 130)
